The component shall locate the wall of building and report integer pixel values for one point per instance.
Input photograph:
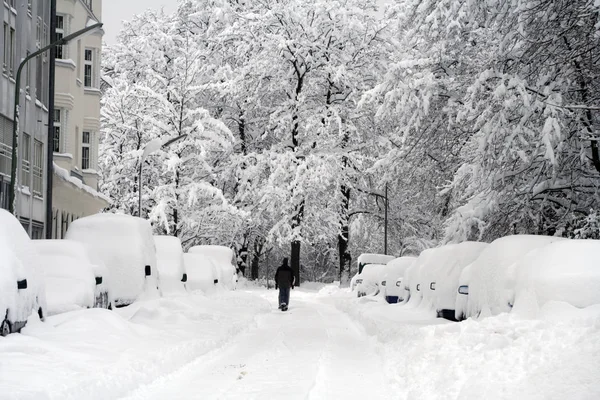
(25, 29)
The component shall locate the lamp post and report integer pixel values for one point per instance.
(151, 147)
(15, 144)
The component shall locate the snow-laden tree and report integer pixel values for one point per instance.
(157, 71)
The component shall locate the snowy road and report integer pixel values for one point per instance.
(329, 345)
(313, 351)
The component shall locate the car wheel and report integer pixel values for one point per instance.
(5, 328)
(110, 306)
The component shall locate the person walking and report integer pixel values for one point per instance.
(284, 280)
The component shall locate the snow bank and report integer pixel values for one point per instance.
(225, 261)
(24, 263)
(393, 274)
(202, 272)
(123, 244)
(169, 259)
(455, 258)
(492, 274)
(564, 271)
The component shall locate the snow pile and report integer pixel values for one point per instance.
(99, 354)
(124, 244)
(169, 261)
(394, 272)
(455, 258)
(224, 259)
(202, 272)
(492, 274)
(25, 266)
(70, 281)
(564, 271)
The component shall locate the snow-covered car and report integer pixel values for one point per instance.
(225, 259)
(563, 271)
(369, 280)
(366, 259)
(489, 282)
(202, 272)
(169, 260)
(393, 285)
(70, 278)
(21, 284)
(441, 274)
(125, 246)
(415, 276)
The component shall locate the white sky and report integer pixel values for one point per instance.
(115, 11)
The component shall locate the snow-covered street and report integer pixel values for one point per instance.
(237, 345)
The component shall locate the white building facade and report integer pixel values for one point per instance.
(25, 29)
(76, 116)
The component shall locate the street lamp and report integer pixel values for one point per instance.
(91, 25)
(151, 147)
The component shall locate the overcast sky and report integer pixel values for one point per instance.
(115, 11)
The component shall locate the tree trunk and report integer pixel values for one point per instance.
(343, 238)
(258, 248)
(295, 263)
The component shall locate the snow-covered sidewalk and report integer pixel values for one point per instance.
(237, 345)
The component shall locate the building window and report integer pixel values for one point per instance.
(88, 68)
(25, 160)
(29, 7)
(38, 167)
(6, 128)
(8, 65)
(10, 3)
(60, 32)
(57, 129)
(85, 151)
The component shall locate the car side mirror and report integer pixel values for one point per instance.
(418, 287)
(215, 281)
(148, 270)
(184, 278)
(98, 280)
(398, 283)
(432, 286)
(22, 284)
(463, 289)
(383, 283)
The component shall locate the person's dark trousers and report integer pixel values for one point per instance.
(284, 295)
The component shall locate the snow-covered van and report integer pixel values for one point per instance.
(169, 259)
(70, 278)
(202, 272)
(441, 274)
(21, 285)
(393, 285)
(566, 271)
(366, 259)
(224, 257)
(489, 282)
(125, 246)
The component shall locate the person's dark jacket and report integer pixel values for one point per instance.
(284, 277)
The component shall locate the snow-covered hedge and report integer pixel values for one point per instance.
(124, 244)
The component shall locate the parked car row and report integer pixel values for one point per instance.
(105, 261)
(474, 279)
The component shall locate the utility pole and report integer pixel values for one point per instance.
(385, 225)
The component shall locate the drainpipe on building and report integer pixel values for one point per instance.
(50, 139)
